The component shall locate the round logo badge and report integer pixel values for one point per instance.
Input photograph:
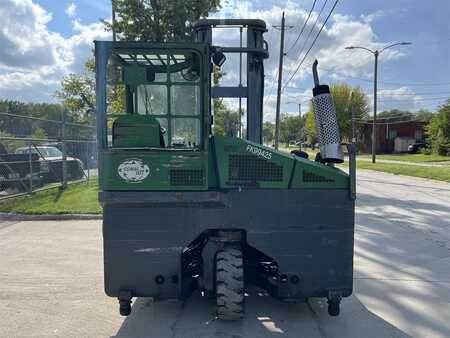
(133, 170)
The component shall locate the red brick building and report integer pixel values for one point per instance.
(391, 136)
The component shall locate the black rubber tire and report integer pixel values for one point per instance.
(230, 284)
(333, 308)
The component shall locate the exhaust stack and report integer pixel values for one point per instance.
(326, 121)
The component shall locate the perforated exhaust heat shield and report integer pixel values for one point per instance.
(326, 122)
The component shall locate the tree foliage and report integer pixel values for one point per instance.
(395, 113)
(78, 91)
(438, 130)
(226, 120)
(21, 127)
(158, 20)
(349, 101)
(292, 128)
(268, 132)
(424, 115)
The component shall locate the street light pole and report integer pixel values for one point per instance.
(352, 107)
(375, 87)
(376, 53)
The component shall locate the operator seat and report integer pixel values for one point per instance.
(137, 131)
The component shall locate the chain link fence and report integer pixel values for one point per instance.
(41, 151)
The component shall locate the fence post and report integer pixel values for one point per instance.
(64, 150)
(30, 188)
(87, 159)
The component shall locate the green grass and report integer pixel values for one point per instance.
(435, 173)
(80, 198)
(411, 157)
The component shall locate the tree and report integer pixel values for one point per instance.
(268, 132)
(349, 101)
(438, 130)
(158, 20)
(226, 120)
(291, 128)
(310, 126)
(78, 91)
(395, 113)
(424, 115)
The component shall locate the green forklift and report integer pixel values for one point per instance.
(185, 210)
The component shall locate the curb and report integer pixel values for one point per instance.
(48, 217)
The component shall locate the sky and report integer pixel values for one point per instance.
(44, 40)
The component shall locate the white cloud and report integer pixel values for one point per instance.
(402, 98)
(71, 10)
(33, 59)
(335, 62)
(372, 16)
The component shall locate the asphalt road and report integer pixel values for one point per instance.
(51, 279)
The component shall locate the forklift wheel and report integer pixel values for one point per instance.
(333, 308)
(124, 307)
(230, 284)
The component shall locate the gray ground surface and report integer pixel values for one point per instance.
(51, 279)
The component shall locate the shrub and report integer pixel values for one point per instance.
(438, 131)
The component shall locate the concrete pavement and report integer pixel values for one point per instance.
(51, 279)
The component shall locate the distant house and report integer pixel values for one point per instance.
(393, 136)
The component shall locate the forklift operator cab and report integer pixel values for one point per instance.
(159, 93)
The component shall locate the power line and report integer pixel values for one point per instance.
(413, 94)
(313, 43)
(304, 25)
(424, 99)
(312, 28)
(384, 82)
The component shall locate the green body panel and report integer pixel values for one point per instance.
(136, 131)
(244, 163)
(163, 170)
(309, 174)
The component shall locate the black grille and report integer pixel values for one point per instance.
(312, 177)
(252, 168)
(183, 177)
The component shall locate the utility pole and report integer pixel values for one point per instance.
(300, 110)
(113, 16)
(280, 77)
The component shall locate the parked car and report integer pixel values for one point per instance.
(415, 147)
(16, 172)
(51, 160)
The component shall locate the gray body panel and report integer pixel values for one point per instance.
(308, 232)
